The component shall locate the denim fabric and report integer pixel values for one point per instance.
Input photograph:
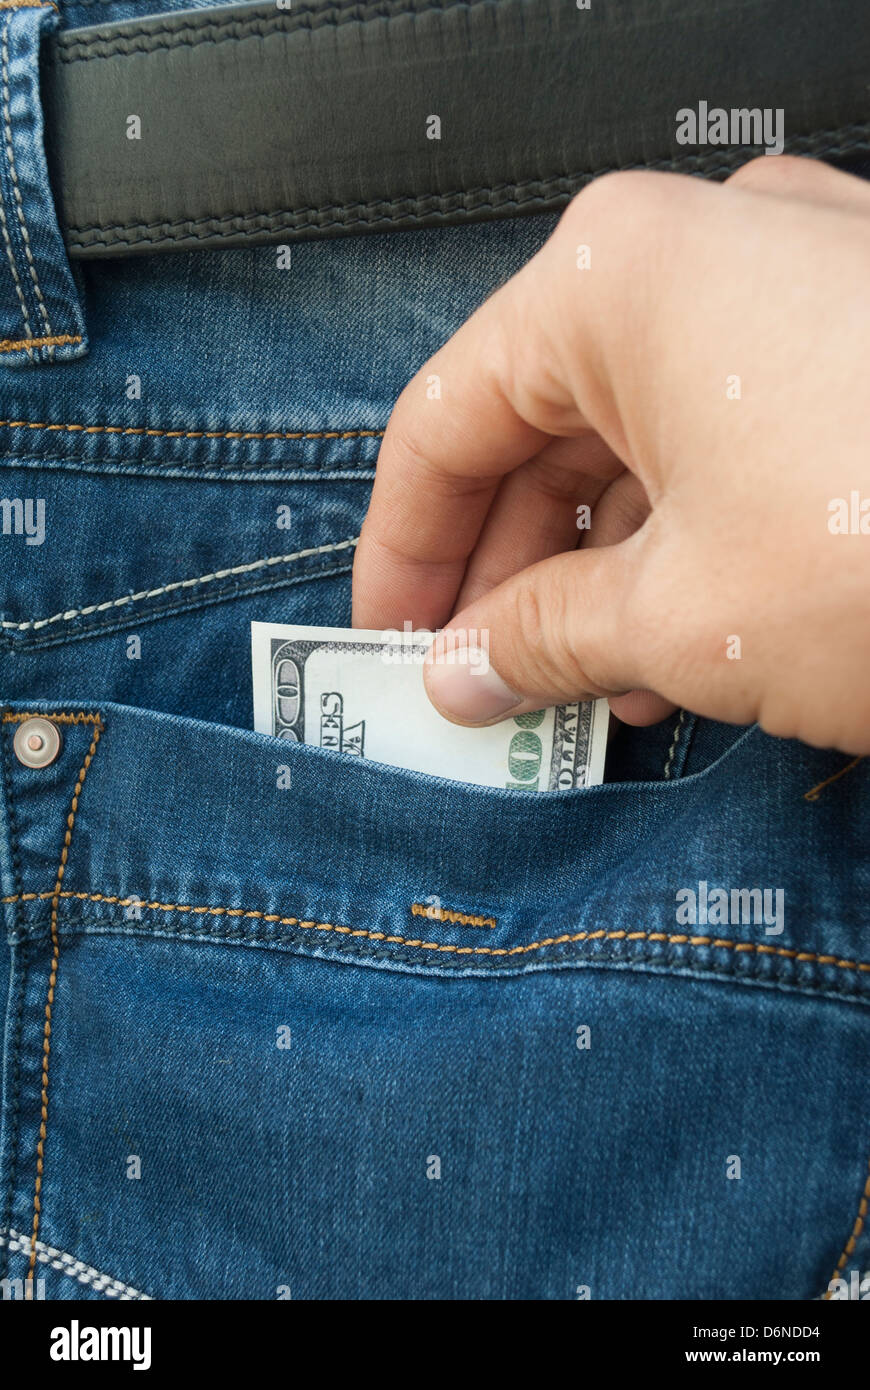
(40, 318)
(329, 1093)
(356, 1032)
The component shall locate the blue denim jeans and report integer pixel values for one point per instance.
(358, 1032)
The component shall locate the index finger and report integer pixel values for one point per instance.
(453, 434)
(535, 361)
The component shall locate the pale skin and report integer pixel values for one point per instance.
(613, 387)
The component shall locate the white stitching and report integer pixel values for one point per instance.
(10, 254)
(19, 206)
(673, 748)
(35, 623)
(75, 1269)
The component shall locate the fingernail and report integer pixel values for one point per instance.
(468, 690)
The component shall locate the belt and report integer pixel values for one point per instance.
(262, 124)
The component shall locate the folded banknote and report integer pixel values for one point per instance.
(361, 692)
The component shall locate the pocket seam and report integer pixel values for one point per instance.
(95, 720)
(602, 934)
(857, 1228)
(72, 1267)
(32, 624)
(70, 427)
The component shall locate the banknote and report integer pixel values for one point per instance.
(361, 692)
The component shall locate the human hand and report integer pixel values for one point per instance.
(702, 389)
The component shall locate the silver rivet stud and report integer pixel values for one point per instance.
(37, 742)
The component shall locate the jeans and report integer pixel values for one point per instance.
(281, 1023)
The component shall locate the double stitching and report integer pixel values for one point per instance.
(67, 1264)
(27, 341)
(671, 938)
(83, 718)
(17, 994)
(16, 191)
(73, 48)
(548, 193)
(189, 434)
(32, 624)
(49, 339)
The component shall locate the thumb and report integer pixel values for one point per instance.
(574, 627)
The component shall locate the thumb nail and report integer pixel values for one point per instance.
(467, 688)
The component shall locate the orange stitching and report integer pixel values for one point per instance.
(191, 434)
(601, 935)
(814, 792)
(443, 914)
(49, 1000)
(13, 717)
(57, 339)
(28, 5)
(856, 1231)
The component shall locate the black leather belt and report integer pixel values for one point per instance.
(260, 124)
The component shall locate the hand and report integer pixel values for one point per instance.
(702, 389)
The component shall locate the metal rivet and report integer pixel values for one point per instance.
(37, 742)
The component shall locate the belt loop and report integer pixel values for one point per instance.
(40, 315)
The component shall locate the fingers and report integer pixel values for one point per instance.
(573, 627)
(559, 352)
(451, 437)
(535, 516)
(523, 369)
(723, 299)
(641, 708)
(622, 510)
(806, 180)
(541, 509)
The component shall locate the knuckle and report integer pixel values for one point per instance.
(621, 199)
(529, 622)
(766, 174)
(750, 174)
(543, 625)
(608, 211)
(598, 213)
(401, 437)
(608, 196)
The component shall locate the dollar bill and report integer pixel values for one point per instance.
(361, 692)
